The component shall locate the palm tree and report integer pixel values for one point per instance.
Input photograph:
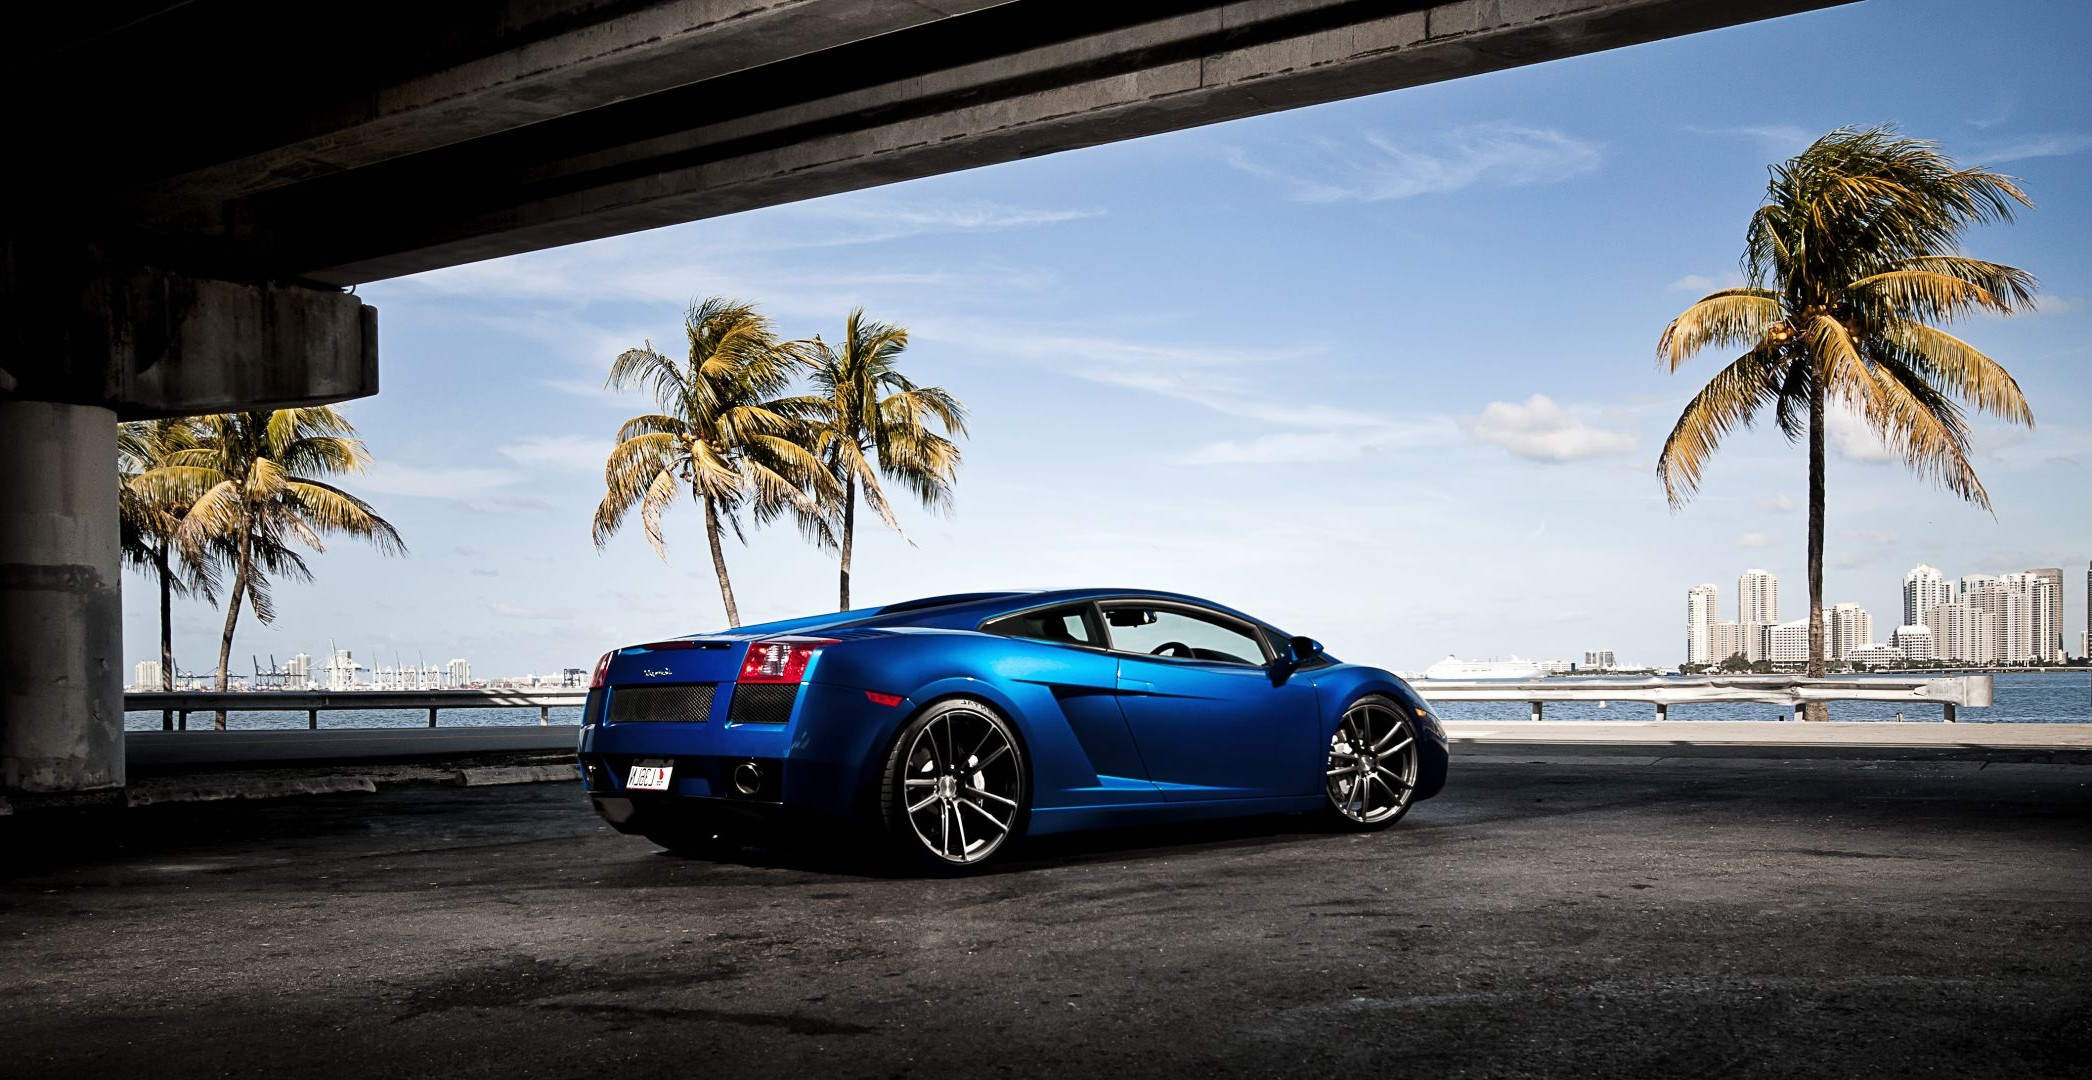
(873, 421)
(723, 434)
(151, 519)
(1851, 262)
(257, 478)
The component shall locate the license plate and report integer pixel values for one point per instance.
(649, 777)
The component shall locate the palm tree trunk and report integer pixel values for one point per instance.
(243, 568)
(166, 630)
(1816, 710)
(726, 588)
(849, 534)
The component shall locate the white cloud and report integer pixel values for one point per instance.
(873, 219)
(1785, 140)
(1869, 536)
(1541, 430)
(1495, 155)
(1851, 437)
(1778, 502)
(2037, 146)
(413, 481)
(1308, 447)
(560, 453)
(1702, 284)
(1754, 540)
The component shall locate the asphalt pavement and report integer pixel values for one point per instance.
(1579, 917)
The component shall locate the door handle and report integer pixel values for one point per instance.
(1136, 686)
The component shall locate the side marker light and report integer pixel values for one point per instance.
(877, 698)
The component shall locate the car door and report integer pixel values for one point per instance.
(1198, 693)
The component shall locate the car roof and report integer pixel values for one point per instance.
(964, 611)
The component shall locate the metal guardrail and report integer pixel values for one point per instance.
(173, 704)
(1962, 691)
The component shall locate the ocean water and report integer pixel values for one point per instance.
(2026, 698)
(339, 719)
(2019, 698)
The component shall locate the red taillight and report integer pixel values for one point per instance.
(780, 660)
(595, 681)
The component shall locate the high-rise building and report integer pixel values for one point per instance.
(1729, 639)
(2085, 648)
(1600, 660)
(1914, 642)
(147, 675)
(1757, 608)
(1788, 642)
(1757, 598)
(2048, 613)
(1701, 608)
(1962, 630)
(1851, 627)
(1923, 590)
(457, 675)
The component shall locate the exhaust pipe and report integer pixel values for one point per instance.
(748, 778)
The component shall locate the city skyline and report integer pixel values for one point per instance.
(339, 670)
(2010, 617)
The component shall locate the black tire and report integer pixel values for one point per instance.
(1370, 775)
(957, 765)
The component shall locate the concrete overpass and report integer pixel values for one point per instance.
(195, 182)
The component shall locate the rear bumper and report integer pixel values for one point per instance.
(816, 761)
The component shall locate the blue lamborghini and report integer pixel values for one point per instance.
(956, 724)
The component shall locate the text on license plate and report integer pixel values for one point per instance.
(649, 777)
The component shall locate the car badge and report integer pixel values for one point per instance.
(655, 673)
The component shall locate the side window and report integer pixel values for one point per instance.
(1171, 632)
(1071, 625)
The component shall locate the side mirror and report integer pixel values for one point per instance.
(1293, 652)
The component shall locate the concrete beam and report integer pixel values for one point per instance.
(579, 65)
(948, 101)
(147, 342)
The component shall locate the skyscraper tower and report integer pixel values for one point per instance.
(1702, 603)
(2048, 618)
(1923, 589)
(1757, 611)
(1757, 598)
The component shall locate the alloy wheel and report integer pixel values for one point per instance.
(962, 784)
(1372, 767)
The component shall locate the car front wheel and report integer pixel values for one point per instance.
(1371, 773)
(954, 792)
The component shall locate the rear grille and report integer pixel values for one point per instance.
(690, 703)
(762, 703)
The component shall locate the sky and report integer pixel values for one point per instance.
(1380, 371)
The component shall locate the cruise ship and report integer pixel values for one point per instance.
(1454, 669)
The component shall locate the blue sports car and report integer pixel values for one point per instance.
(957, 724)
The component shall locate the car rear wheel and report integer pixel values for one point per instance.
(955, 791)
(1371, 774)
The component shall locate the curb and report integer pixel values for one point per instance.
(253, 789)
(517, 774)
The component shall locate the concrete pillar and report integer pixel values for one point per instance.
(61, 612)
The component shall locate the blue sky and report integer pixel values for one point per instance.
(1381, 371)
